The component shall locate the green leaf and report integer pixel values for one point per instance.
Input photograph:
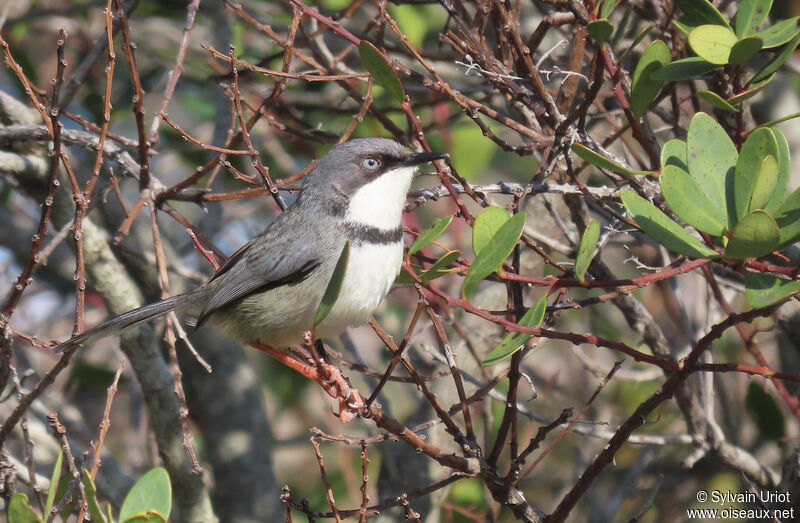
(788, 218)
(683, 69)
(586, 249)
(759, 144)
(751, 15)
(147, 517)
(63, 487)
(711, 158)
(686, 198)
(785, 165)
(486, 225)
(492, 256)
(436, 230)
(381, 71)
(19, 511)
(779, 33)
(716, 101)
(764, 184)
(700, 12)
(152, 492)
(674, 153)
(437, 270)
(763, 407)
(601, 161)
(644, 32)
(662, 229)
(514, 341)
(744, 49)
(750, 92)
(755, 235)
(778, 60)
(54, 479)
(763, 290)
(712, 43)
(91, 497)
(607, 8)
(644, 88)
(334, 285)
(600, 30)
(785, 118)
(684, 27)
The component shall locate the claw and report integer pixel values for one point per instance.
(335, 384)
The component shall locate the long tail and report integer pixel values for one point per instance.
(129, 319)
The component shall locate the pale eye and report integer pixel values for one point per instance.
(371, 163)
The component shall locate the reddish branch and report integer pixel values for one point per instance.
(25, 277)
(646, 408)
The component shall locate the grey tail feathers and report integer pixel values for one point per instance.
(129, 319)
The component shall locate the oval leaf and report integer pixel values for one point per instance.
(785, 172)
(662, 229)
(674, 153)
(514, 341)
(711, 158)
(750, 92)
(152, 493)
(148, 517)
(687, 200)
(745, 49)
(684, 69)
(712, 43)
(788, 218)
(491, 257)
(751, 15)
(755, 235)
(601, 161)
(763, 290)
(607, 8)
(381, 71)
(716, 101)
(779, 33)
(778, 60)
(334, 285)
(586, 249)
(644, 88)
(699, 12)
(486, 225)
(19, 511)
(759, 144)
(765, 182)
(437, 269)
(436, 230)
(600, 30)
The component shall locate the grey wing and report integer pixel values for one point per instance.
(268, 261)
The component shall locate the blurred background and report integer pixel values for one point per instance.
(249, 420)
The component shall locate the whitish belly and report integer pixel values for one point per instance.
(370, 273)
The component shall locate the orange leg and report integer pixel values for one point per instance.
(328, 376)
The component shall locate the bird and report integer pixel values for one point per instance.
(267, 293)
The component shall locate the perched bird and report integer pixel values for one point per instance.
(268, 292)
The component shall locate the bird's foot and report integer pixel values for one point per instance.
(329, 377)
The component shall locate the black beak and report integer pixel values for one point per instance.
(418, 158)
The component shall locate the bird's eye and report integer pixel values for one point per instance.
(370, 163)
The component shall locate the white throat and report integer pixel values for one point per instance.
(380, 202)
